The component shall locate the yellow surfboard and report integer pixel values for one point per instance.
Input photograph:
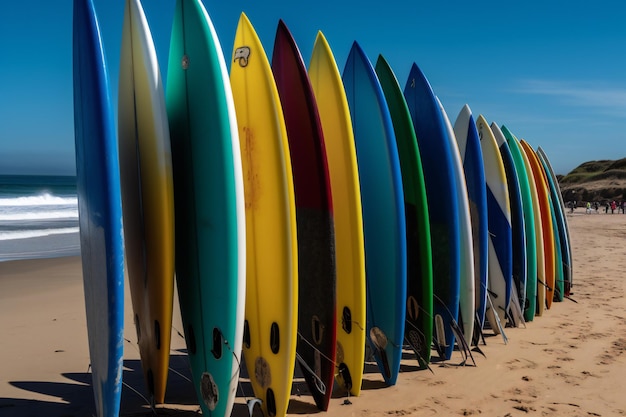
(546, 221)
(147, 196)
(349, 247)
(271, 318)
(541, 268)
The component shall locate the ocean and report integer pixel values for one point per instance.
(38, 217)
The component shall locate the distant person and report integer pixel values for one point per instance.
(588, 210)
(613, 206)
(596, 206)
(606, 208)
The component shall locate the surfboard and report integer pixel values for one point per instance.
(529, 219)
(418, 331)
(437, 164)
(334, 115)
(546, 221)
(467, 307)
(518, 233)
(317, 330)
(541, 270)
(468, 142)
(546, 228)
(209, 206)
(271, 315)
(100, 210)
(558, 257)
(559, 205)
(147, 196)
(384, 227)
(499, 223)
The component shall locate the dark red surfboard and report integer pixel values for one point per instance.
(314, 217)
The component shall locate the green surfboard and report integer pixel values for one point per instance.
(529, 224)
(419, 315)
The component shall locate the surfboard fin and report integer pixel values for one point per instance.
(464, 348)
(319, 384)
(494, 319)
(440, 337)
(251, 403)
(516, 314)
(478, 335)
(414, 338)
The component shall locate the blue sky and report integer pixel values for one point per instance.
(554, 75)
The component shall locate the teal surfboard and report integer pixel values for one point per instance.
(209, 207)
(434, 146)
(418, 332)
(383, 212)
(100, 210)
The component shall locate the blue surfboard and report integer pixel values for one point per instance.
(437, 164)
(518, 233)
(557, 202)
(100, 210)
(499, 223)
(559, 270)
(468, 143)
(384, 226)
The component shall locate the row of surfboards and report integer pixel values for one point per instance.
(306, 215)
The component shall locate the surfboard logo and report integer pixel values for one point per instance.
(242, 54)
(185, 62)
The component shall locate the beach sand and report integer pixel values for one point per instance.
(571, 361)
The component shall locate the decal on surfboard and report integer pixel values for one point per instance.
(242, 55)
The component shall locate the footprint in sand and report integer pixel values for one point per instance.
(612, 354)
(521, 363)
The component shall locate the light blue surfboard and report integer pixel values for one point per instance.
(437, 164)
(100, 211)
(384, 225)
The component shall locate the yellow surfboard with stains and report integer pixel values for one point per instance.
(271, 318)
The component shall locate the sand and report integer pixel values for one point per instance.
(571, 361)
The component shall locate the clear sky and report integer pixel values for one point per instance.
(553, 72)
